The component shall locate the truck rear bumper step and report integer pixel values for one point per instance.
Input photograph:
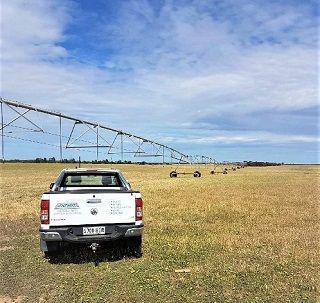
(50, 236)
(134, 232)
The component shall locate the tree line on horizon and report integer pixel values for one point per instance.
(106, 161)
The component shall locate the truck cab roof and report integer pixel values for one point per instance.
(75, 170)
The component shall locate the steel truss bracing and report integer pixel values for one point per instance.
(86, 135)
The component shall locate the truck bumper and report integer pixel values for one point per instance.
(74, 234)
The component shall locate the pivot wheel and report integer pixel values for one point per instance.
(173, 174)
(197, 174)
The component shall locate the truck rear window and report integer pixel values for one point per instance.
(91, 180)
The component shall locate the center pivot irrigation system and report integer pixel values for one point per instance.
(66, 132)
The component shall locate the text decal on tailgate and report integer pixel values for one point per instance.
(67, 208)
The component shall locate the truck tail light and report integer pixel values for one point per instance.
(44, 213)
(139, 211)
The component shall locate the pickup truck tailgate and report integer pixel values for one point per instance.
(83, 208)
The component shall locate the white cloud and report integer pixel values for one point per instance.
(183, 64)
(257, 138)
(198, 62)
(32, 29)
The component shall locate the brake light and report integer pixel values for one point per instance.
(44, 213)
(139, 212)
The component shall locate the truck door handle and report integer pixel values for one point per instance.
(94, 201)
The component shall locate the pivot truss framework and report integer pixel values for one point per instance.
(82, 135)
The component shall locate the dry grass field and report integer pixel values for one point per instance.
(249, 236)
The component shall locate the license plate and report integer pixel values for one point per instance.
(96, 230)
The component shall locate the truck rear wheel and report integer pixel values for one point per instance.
(50, 249)
(135, 246)
(51, 254)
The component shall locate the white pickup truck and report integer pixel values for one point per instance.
(90, 206)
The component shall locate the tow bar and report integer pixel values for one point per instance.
(94, 247)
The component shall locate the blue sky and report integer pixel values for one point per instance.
(234, 80)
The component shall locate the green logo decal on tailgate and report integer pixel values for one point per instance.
(68, 205)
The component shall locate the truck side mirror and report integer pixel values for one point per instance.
(51, 185)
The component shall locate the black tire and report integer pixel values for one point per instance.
(135, 246)
(51, 254)
(197, 174)
(173, 174)
(51, 249)
(212, 172)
